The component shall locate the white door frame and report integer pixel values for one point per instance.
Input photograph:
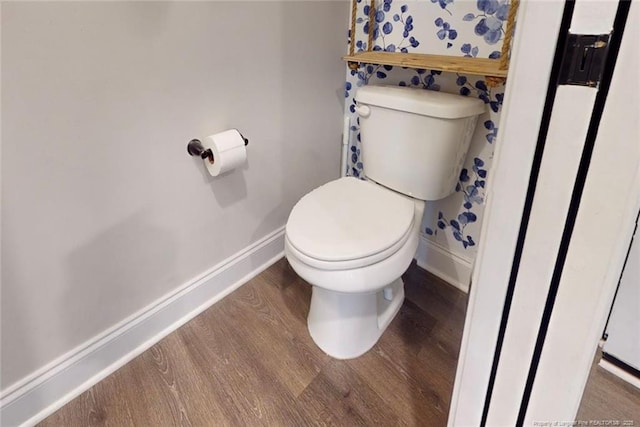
(580, 311)
(538, 24)
(602, 233)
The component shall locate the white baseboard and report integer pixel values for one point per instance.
(619, 372)
(443, 263)
(42, 393)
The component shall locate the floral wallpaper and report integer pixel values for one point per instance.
(445, 27)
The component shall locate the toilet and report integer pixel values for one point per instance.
(351, 238)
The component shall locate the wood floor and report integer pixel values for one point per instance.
(607, 397)
(249, 360)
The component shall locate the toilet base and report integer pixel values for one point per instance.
(346, 326)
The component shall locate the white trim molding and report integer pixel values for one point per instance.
(40, 394)
(441, 262)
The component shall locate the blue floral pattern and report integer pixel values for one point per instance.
(445, 31)
(443, 4)
(491, 21)
(472, 195)
(449, 27)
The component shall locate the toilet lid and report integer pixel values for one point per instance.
(349, 219)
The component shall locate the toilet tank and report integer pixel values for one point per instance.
(415, 141)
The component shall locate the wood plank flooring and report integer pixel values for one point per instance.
(608, 398)
(249, 360)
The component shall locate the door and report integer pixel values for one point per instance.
(564, 191)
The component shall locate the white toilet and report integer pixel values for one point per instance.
(352, 239)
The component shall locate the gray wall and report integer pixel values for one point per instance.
(103, 212)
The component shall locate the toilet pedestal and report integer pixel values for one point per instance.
(345, 325)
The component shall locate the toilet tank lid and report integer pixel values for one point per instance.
(420, 101)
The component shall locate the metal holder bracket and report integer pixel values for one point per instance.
(195, 148)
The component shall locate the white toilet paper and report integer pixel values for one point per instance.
(228, 150)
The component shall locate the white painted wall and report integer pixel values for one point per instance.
(623, 328)
(103, 212)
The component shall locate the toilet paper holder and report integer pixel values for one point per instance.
(195, 148)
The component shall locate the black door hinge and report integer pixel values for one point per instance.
(584, 58)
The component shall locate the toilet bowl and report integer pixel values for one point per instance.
(351, 238)
(357, 289)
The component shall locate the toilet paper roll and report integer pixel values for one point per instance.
(228, 149)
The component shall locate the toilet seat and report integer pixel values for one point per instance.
(349, 223)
